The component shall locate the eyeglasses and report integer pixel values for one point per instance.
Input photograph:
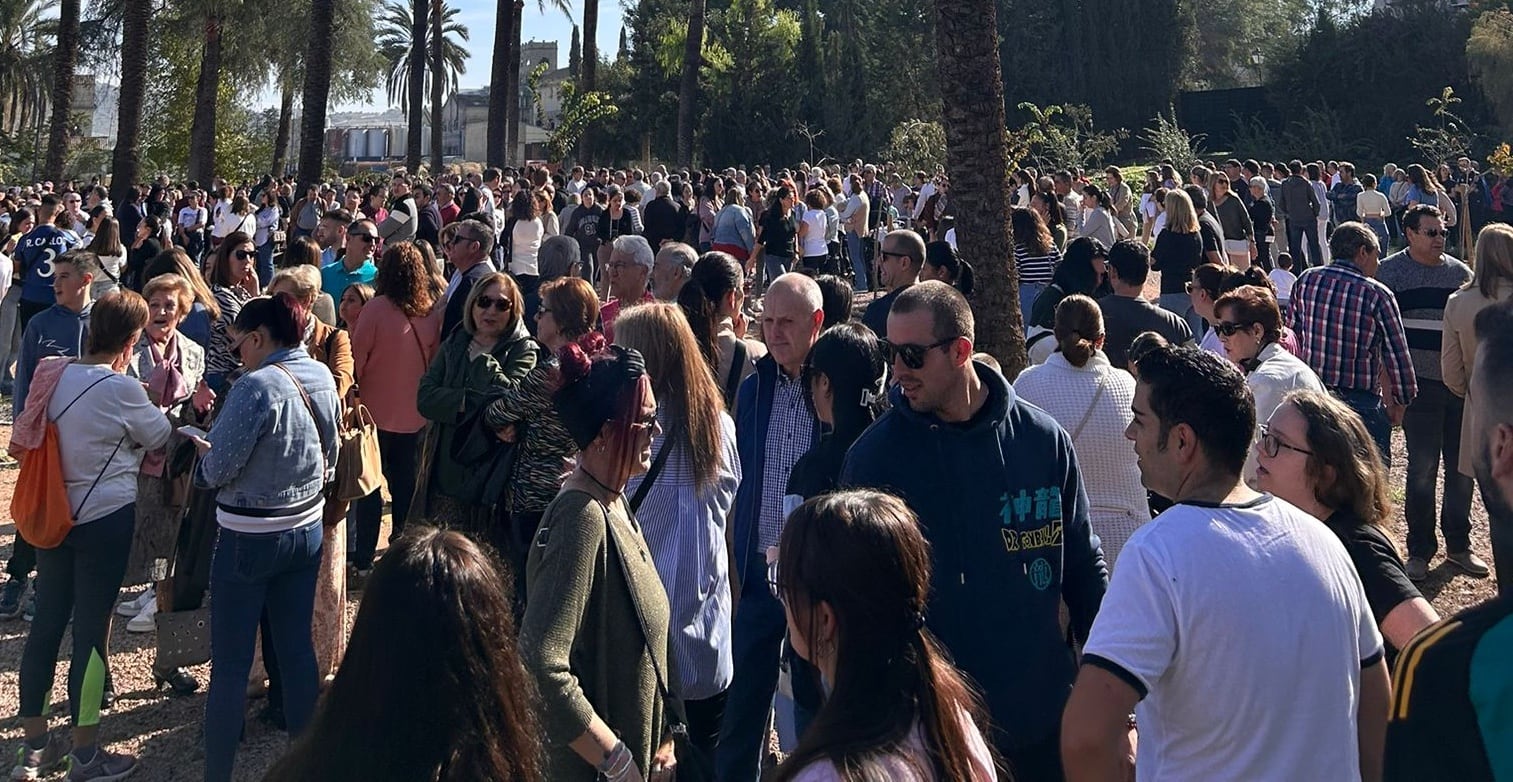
(1271, 446)
(620, 265)
(645, 424)
(361, 237)
(458, 238)
(1228, 329)
(1434, 233)
(245, 255)
(913, 356)
(543, 311)
(500, 304)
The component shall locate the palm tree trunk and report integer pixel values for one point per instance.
(438, 84)
(590, 70)
(285, 119)
(415, 95)
(206, 91)
(65, 56)
(505, 38)
(126, 161)
(317, 92)
(977, 158)
(688, 90)
(512, 137)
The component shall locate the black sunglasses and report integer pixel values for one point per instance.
(361, 237)
(1227, 329)
(245, 255)
(1434, 233)
(913, 356)
(500, 304)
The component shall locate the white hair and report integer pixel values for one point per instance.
(636, 249)
(804, 286)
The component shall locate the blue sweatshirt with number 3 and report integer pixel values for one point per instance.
(1001, 501)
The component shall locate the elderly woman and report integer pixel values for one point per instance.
(492, 350)
(595, 633)
(1249, 325)
(172, 370)
(524, 414)
(630, 263)
(271, 452)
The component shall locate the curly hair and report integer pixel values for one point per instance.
(405, 279)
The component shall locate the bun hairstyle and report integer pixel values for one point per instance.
(281, 314)
(714, 276)
(1079, 328)
(596, 388)
(942, 255)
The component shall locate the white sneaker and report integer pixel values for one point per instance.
(146, 621)
(135, 605)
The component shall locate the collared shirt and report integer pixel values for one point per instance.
(335, 276)
(1348, 327)
(790, 433)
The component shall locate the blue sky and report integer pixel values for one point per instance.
(478, 17)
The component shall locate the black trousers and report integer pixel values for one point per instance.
(397, 451)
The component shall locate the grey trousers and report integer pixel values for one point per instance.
(10, 333)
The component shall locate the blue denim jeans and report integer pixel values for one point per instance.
(1368, 405)
(1431, 427)
(773, 266)
(756, 636)
(265, 264)
(250, 571)
(1028, 293)
(858, 252)
(1379, 226)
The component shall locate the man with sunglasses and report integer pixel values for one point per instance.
(1421, 278)
(997, 488)
(467, 248)
(900, 257)
(356, 262)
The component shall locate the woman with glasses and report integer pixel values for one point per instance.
(1249, 324)
(853, 572)
(595, 632)
(392, 346)
(492, 350)
(1315, 453)
(233, 282)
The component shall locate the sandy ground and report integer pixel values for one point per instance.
(164, 731)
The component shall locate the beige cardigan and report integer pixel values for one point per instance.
(1458, 357)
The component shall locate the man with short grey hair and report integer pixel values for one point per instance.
(630, 264)
(661, 217)
(467, 247)
(674, 265)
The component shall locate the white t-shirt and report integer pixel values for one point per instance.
(911, 763)
(525, 245)
(814, 241)
(88, 433)
(1283, 279)
(1246, 629)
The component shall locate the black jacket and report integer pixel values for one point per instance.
(661, 221)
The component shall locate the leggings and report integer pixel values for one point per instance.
(79, 579)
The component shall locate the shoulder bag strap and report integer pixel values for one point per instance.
(737, 364)
(424, 359)
(674, 705)
(309, 408)
(651, 475)
(70, 405)
(1097, 395)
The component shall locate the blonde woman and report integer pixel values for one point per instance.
(1178, 250)
(1492, 284)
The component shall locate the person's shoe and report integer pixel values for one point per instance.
(38, 763)
(10, 597)
(1468, 562)
(134, 606)
(1417, 569)
(29, 607)
(178, 681)
(146, 621)
(103, 767)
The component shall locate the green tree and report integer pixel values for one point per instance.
(317, 90)
(1489, 52)
(65, 54)
(401, 32)
(127, 158)
(26, 34)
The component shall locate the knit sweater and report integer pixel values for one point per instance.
(1117, 499)
(1421, 293)
(592, 582)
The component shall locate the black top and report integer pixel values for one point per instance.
(1175, 256)
(778, 233)
(1212, 233)
(876, 315)
(1261, 214)
(452, 317)
(1125, 318)
(1379, 565)
(819, 470)
(661, 222)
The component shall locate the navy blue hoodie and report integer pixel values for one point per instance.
(1002, 504)
(55, 331)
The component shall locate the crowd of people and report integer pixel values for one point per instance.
(656, 491)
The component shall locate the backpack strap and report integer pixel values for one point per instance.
(74, 512)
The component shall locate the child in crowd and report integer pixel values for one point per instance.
(1283, 278)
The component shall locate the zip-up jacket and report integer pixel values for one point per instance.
(55, 331)
(1001, 501)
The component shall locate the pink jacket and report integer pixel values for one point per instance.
(26, 434)
(390, 352)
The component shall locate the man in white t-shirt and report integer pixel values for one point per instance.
(1235, 621)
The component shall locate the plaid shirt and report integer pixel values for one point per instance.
(790, 430)
(1348, 325)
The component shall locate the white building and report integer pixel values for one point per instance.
(465, 117)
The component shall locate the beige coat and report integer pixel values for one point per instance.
(1458, 356)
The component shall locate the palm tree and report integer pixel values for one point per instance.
(65, 56)
(433, 54)
(405, 75)
(206, 92)
(312, 123)
(589, 71)
(25, 30)
(506, 48)
(977, 158)
(688, 88)
(127, 158)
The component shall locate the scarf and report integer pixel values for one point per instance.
(167, 381)
(26, 434)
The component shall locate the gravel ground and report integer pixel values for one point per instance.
(165, 732)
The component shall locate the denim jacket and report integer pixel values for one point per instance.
(733, 226)
(266, 451)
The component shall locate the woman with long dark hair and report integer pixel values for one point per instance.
(233, 281)
(106, 243)
(846, 384)
(853, 572)
(1082, 271)
(682, 504)
(943, 263)
(711, 300)
(458, 711)
(1052, 213)
(1035, 255)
